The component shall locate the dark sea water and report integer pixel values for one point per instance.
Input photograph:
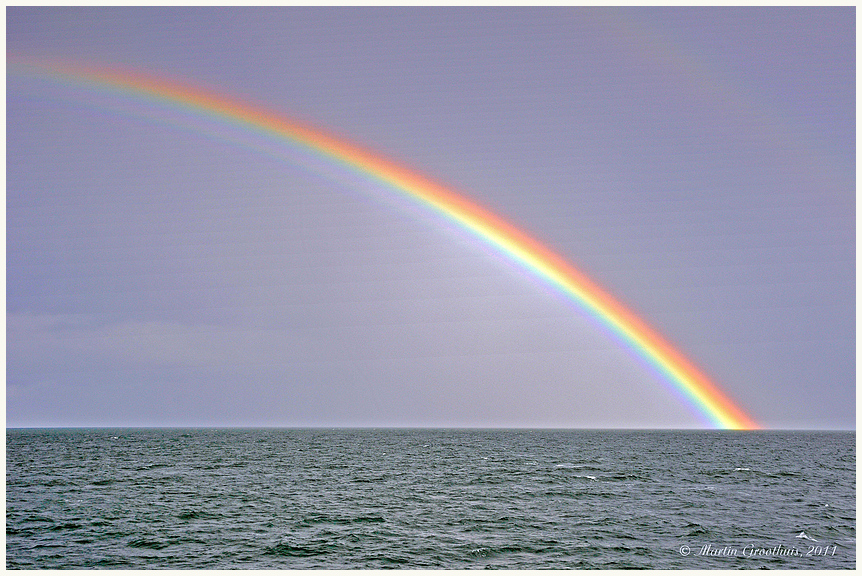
(404, 498)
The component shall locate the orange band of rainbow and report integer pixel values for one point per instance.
(683, 376)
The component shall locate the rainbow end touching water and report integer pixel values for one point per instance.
(687, 382)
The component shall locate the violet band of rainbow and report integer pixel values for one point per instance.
(687, 381)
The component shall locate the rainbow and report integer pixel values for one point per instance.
(684, 378)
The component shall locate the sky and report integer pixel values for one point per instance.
(698, 163)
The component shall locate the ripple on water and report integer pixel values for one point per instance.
(454, 499)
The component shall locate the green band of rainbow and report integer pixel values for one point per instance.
(685, 378)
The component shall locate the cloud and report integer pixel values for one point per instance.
(44, 342)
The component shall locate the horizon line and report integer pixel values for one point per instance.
(412, 427)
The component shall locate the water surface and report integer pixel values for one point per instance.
(440, 498)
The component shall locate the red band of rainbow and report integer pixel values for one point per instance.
(681, 374)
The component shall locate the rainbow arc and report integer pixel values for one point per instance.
(677, 371)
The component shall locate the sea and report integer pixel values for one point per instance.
(429, 499)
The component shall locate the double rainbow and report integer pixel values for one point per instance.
(689, 382)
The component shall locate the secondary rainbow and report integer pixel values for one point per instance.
(688, 381)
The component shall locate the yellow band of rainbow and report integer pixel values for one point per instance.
(682, 375)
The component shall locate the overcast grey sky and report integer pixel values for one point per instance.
(697, 163)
